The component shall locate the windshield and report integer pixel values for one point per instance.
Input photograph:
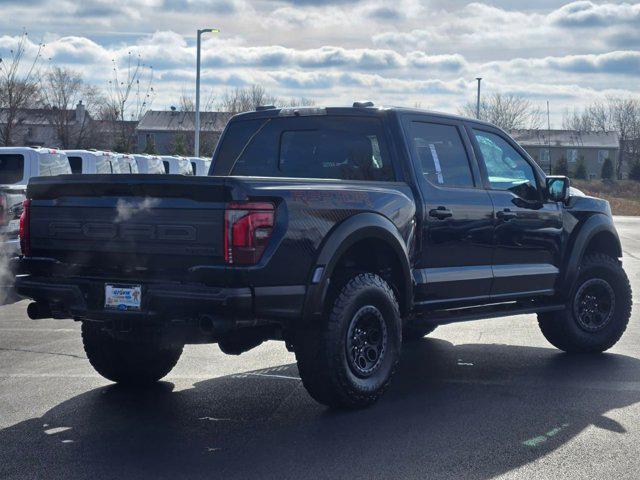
(11, 168)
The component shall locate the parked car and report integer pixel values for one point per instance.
(341, 231)
(92, 161)
(17, 166)
(200, 166)
(127, 163)
(177, 165)
(149, 164)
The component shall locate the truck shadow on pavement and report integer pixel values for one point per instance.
(466, 411)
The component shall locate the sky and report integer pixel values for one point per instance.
(400, 52)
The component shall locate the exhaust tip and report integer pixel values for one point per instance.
(38, 311)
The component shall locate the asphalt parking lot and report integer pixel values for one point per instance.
(487, 399)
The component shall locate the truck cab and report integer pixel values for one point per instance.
(343, 232)
(92, 161)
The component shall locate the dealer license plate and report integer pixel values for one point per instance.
(122, 297)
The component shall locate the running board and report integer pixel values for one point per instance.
(466, 314)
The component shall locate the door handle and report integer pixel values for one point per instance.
(440, 213)
(506, 214)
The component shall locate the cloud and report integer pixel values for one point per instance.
(335, 51)
(584, 14)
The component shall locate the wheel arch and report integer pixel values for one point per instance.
(597, 235)
(358, 231)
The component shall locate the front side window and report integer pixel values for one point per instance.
(506, 168)
(11, 168)
(441, 153)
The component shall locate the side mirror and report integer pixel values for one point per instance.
(558, 188)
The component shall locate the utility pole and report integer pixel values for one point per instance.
(479, 79)
(196, 146)
(549, 138)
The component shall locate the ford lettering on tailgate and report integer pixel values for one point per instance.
(124, 231)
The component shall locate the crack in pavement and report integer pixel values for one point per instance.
(44, 353)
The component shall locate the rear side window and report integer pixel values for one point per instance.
(115, 166)
(128, 165)
(194, 168)
(11, 168)
(76, 164)
(345, 148)
(103, 165)
(184, 167)
(155, 165)
(441, 154)
(53, 164)
(166, 166)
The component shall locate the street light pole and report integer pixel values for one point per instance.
(479, 79)
(196, 145)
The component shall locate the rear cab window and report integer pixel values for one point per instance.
(322, 146)
(11, 168)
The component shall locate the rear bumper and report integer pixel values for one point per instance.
(84, 298)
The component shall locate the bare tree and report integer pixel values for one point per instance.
(507, 111)
(18, 86)
(72, 102)
(297, 102)
(188, 104)
(129, 95)
(245, 99)
(621, 115)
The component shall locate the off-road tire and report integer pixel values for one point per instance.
(562, 328)
(327, 369)
(127, 362)
(413, 334)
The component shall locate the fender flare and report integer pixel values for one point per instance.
(358, 227)
(593, 226)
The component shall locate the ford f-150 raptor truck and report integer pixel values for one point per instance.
(341, 231)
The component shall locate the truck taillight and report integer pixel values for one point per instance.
(25, 218)
(247, 230)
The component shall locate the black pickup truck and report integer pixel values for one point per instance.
(343, 232)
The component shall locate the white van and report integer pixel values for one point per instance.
(200, 166)
(177, 165)
(92, 161)
(149, 164)
(17, 166)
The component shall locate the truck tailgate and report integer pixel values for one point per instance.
(128, 222)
